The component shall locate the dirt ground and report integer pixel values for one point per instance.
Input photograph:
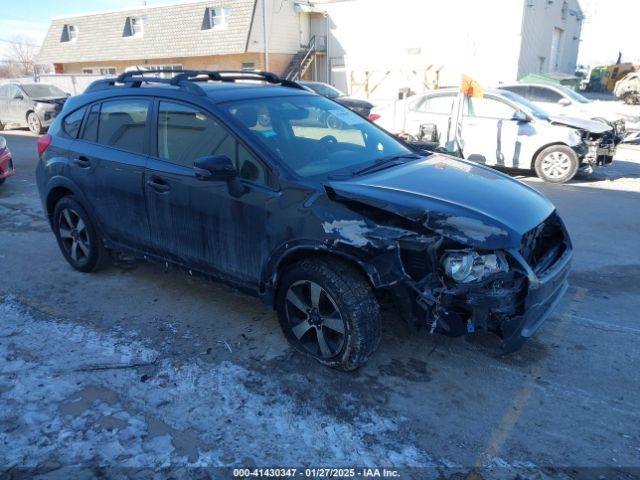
(140, 367)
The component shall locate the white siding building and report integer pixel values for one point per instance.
(369, 48)
(377, 47)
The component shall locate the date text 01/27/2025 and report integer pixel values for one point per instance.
(316, 472)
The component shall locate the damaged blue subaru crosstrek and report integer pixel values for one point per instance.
(240, 177)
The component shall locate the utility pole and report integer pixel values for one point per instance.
(265, 36)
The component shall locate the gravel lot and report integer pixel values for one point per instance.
(141, 367)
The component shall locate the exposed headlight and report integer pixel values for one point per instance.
(465, 267)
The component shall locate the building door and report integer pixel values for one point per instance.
(556, 49)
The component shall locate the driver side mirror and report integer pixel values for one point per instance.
(521, 117)
(215, 168)
(220, 168)
(565, 102)
(18, 96)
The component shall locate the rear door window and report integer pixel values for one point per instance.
(122, 124)
(73, 121)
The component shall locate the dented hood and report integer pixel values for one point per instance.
(465, 202)
(581, 123)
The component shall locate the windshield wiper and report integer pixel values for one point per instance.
(386, 162)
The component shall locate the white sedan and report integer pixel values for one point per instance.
(503, 130)
(563, 101)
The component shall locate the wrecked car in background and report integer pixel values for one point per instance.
(628, 88)
(32, 105)
(324, 223)
(562, 101)
(504, 130)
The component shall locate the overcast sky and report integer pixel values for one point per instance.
(611, 25)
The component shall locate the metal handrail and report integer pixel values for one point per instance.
(310, 49)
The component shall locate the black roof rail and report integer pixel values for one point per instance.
(185, 79)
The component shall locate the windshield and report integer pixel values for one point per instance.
(40, 91)
(534, 109)
(575, 96)
(324, 89)
(314, 136)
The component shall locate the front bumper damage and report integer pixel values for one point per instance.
(597, 152)
(512, 305)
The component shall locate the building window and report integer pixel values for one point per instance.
(541, 61)
(216, 18)
(172, 68)
(99, 70)
(134, 27)
(69, 33)
(248, 66)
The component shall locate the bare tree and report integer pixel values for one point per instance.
(19, 57)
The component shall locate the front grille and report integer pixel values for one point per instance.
(544, 245)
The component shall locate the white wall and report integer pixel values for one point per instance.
(540, 19)
(480, 38)
(283, 25)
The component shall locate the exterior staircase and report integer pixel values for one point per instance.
(301, 61)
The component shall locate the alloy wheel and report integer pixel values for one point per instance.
(556, 165)
(74, 235)
(34, 123)
(314, 319)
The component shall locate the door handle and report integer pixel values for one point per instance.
(158, 185)
(82, 162)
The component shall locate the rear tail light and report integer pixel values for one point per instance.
(43, 143)
(374, 117)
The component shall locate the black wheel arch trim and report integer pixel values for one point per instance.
(59, 181)
(271, 272)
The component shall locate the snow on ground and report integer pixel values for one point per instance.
(72, 395)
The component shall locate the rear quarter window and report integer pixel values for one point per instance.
(72, 122)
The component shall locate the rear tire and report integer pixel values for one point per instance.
(77, 236)
(556, 164)
(344, 316)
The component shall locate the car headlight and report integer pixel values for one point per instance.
(466, 266)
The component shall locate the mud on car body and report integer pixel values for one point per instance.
(241, 182)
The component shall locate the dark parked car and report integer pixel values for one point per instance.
(322, 223)
(30, 105)
(361, 107)
(6, 162)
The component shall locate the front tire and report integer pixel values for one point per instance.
(34, 123)
(557, 164)
(327, 310)
(77, 236)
